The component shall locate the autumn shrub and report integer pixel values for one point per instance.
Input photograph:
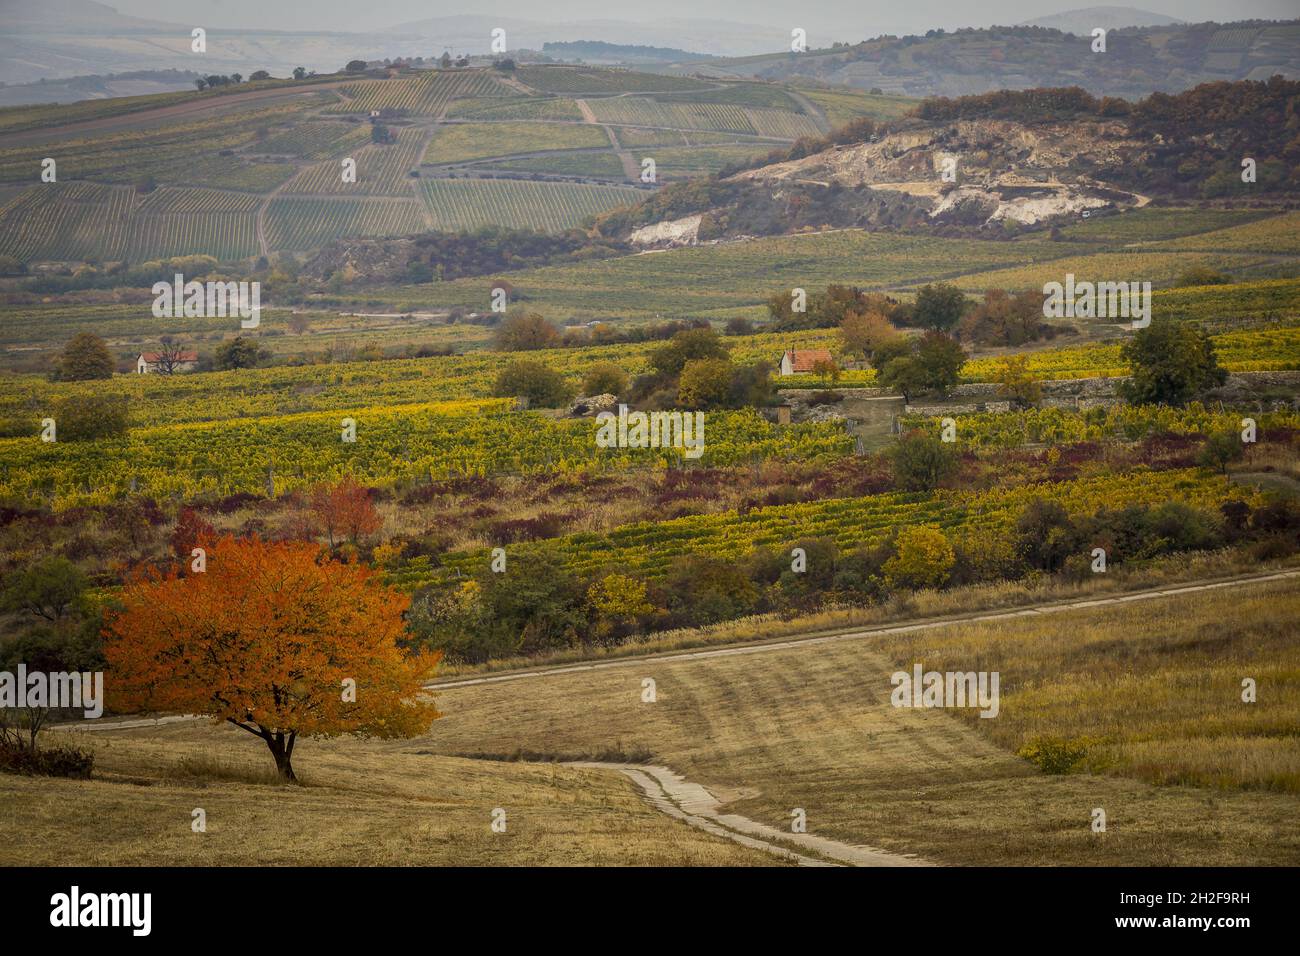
(1056, 755)
(923, 462)
(57, 761)
(88, 417)
(923, 559)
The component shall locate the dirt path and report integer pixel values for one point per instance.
(630, 168)
(262, 244)
(815, 112)
(864, 633)
(695, 806)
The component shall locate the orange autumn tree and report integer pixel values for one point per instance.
(344, 509)
(272, 638)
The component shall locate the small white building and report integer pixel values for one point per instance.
(162, 362)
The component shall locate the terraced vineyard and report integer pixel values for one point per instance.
(727, 117)
(66, 221)
(184, 153)
(459, 143)
(316, 140)
(182, 221)
(547, 207)
(405, 443)
(1278, 235)
(425, 95)
(530, 108)
(649, 548)
(1152, 224)
(577, 79)
(382, 169)
(278, 150)
(298, 223)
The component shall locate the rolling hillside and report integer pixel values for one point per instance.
(542, 148)
(1138, 60)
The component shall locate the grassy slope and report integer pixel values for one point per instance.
(362, 805)
(813, 728)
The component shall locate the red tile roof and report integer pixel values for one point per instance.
(803, 360)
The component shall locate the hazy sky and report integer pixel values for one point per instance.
(849, 20)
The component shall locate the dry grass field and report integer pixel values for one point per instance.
(361, 805)
(1157, 682)
(1186, 772)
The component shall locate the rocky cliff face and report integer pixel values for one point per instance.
(977, 171)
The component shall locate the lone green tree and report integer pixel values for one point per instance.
(939, 306)
(239, 352)
(85, 357)
(1172, 363)
(543, 386)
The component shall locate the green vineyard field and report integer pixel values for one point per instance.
(298, 223)
(595, 80)
(382, 169)
(725, 117)
(183, 221)
(66, 221)
(649, 548)
(521, 108)
(462, 142)
(547, 207)
(424, 95)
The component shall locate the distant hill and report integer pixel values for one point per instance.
(1138, 61)
(60, 39)
(471, 33)
(597, 51)
(78, 88)
(69, 16)
(1083, 21)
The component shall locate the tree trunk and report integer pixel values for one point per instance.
(282, 750)
(279, 743)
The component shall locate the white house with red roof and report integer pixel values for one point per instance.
(801, 361)
(166, 362)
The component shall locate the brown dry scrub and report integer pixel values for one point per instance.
(1151, 690)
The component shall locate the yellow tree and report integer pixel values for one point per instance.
(276, 639)
(923, 558)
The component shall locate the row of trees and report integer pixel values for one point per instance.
(216, 80)
(692, 370)
(540, 605)
(86, 357)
